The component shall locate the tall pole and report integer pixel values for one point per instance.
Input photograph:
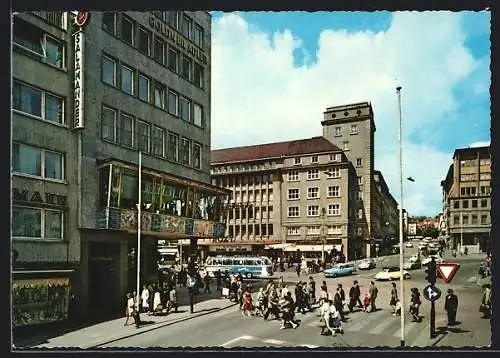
(401, 272)
(139, 207)
(323, 235)
(461, 233)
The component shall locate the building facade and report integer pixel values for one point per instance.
(90, 92)
(467, 199)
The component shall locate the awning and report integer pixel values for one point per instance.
(277, 246)
(60, 281)
(313, 248)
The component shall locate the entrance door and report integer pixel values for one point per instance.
(104, 296)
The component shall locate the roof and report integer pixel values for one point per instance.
(273, 150)
(484, 149)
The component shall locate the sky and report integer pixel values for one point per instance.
(274, 73)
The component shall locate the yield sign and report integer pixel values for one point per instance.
(447, 271)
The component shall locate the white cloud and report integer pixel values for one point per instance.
(258, 96)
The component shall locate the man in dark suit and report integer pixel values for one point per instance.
(451, 305)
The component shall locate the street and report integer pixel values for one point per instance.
(230, 329)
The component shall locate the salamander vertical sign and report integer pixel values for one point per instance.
(78, 80)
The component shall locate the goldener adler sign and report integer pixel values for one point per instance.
(78, 80)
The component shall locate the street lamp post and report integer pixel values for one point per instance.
(401, 272)
(323, 236)
(139, 207)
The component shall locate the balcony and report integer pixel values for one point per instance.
(160, 224)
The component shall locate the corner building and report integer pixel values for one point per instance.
(86, 101)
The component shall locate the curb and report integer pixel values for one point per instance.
(159, 325)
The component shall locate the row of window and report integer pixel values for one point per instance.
(474, 177)
(139, 85)
(38, 44)
(257, 230)
(315, 230)
(141, 38)
(237, 180)
(473, 162)
(242, 196)
(37, 102)
(315, 159)
(474, 203)
(484, 219)
(313, 174)
(471, 190)
(37, 162)
(314, 210)
(313, 193)
(37, 223)
(354, 130)
(265, 212)
(189, 28)
(119, 127)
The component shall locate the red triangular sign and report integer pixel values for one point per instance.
(447, 271)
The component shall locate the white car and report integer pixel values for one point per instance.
(367, 264)
(391, 273)
(409, 244)
(438, 259)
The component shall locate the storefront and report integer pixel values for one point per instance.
(41, 296)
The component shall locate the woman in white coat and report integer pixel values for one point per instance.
(157, 307)
(144, 298)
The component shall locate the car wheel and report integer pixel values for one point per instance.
(334, 275)
(406, 277)
(248, 275)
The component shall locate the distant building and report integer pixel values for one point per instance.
(467, 199)
(412, 229)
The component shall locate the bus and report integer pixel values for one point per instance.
(247, 266)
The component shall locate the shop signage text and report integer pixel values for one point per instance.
(37, 197)
(174, 37)
(78, 80)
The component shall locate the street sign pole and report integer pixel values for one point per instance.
(433, 319)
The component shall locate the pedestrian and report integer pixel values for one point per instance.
(288, 308)
(297, 268)
(366, 302)
(373, 296)
(128, 307)
(260, 307)
(284, 290)
(150, 298)
(394, 298)
(218, 278)
(145, 299)
(312, 290)
(337, 302)
(485, 307)
(272, 305)
(173, 298)
(300, 298)
(239, 293)
(354, 296)
(451, 305)
(324, 287)
(342, 295)
(415, 303)
(206, 281)
(157, 307)
(247, 306)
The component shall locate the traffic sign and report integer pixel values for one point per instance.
(431, 293)
(447, 271)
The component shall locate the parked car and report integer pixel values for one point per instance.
(409, 244)
(412, 265)
(367, 264)
(391, 273)
(340, 270)
(438, 259)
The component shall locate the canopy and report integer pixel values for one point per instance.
(312, 248)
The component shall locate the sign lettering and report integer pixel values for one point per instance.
(174, 37)
(78, 81)
(37, 197)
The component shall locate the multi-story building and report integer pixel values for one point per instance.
(467, 199)
(348, 215)
(90, 92)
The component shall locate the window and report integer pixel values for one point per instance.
(143, 88)
(173, 19)
(465, 204)
(108, 124)
(360, 180)
(35, 223)
(197, 155)
(345, 145)
(474, 203)
(127, 80)
(173, 147)
(484, 219)
(127, 33)
(37, 43)
(334, 191)
(484, 161)
(313, 230)
(484, 203)
(473, 219)
(294, 230)
(143, 135)
(293, 211)
(159, 54)
(456, 219)
(359, 162)
(270, 192)
(354, 129)
(360, 213)
(198, 35)
(198, 75)
(185, 151)
(484, 176)
(293, 175)
(297, 161)
(37, 102)
(185, 109)
(465, 219)
(334, 209)
(172, 103)
(144, 41)
(126, 130)
(108, 71)
(38, 162)
(313, 210)
(334, 230)
(314, 159)
(270, 229)
(158, 141)
(312, 174)
(187, 67)
(333, 173)
(360, 231)
(485, 190)
(109, 22)
(338, 131)
(160, 95)
(312, 193)
(187, 27)
(198, 115)
(173, 60)
(359, 195)
(456, 204)
(335, 157)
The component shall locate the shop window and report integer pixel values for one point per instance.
(36, 223)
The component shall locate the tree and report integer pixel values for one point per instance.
(430, 231)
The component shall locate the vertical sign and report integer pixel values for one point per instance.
(78, 80)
